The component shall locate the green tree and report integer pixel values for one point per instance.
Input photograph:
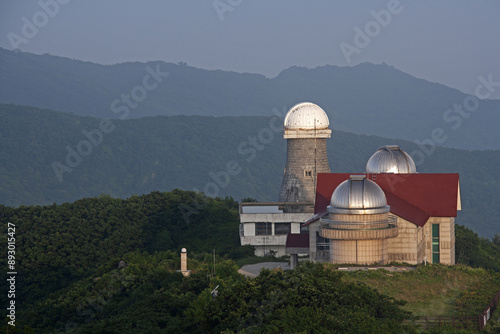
(311, 298)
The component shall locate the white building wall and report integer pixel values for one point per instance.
(264, 244)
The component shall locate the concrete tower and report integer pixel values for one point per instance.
(306, 131)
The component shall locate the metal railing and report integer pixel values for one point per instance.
(286, 207)
(390, 222)
(460, 322)
(485, 316)
(455, 322)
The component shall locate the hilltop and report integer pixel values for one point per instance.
(210, 154)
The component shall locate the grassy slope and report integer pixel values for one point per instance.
(436, 289)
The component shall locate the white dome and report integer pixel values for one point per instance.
(306, 115)
(390, 159)
(358, 195)
(184, 250)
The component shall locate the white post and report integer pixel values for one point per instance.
(184, 270)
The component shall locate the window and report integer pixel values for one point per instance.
(435, 243)
(322, 244)
(282, 228)
(263, 228)
(308, 173)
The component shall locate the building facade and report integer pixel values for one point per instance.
(388, 214)
(421, 218)
(266, 225)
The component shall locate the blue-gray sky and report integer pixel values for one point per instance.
(450, 42)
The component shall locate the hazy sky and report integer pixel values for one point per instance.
(450, 42)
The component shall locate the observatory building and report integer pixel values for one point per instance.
(266, 225)
(357, 225)
(389, 213)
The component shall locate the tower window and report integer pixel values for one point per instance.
(282, 228)
(322, 244)
(308, 173)
(263, 229)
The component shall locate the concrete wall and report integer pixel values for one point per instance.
(301, 154)
(403, 248)
(275, 218)
(313, 255)
(359, 251)
(266, 250)
(414, 244)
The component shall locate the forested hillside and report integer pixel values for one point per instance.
(68, 255)
(364, 99)
(109, 265)
(60, 244)
(225, 156)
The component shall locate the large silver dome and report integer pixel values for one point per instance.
(358, 195)
(390, 159)
(306, 116)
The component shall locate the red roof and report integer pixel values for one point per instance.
(296, 240)
(414, 197)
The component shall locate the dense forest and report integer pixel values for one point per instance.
(194, 152)
(109, 265)
(364, 99)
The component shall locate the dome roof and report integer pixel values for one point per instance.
(390, 159)
(358, 195)
(306, 115)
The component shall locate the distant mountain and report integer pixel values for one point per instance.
(48, 156)
(364, 99)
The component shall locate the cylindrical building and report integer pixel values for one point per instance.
(358, 223)
(306, 131)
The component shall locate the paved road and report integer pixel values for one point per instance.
(399, 269)
(253, 270)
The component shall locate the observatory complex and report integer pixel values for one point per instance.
(389, 213)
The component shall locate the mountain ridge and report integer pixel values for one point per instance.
(363, 99)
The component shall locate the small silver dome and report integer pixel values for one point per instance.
(358, 195)
(390, 159)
